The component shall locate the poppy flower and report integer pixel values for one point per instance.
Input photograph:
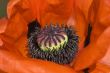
(76, 13)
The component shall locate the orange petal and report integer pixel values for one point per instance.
(93, 52)
(3, 25)
(101, 68)
(22, 45)
(100, 17)
(106, 59)
(1, 42)
(54, 2)
(103, 15)
(84, 6)
(21, 7)
(11, 62)
(16, 27)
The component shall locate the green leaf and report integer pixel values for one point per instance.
(3, 6)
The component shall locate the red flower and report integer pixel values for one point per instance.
(78, 13)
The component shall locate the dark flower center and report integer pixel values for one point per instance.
(58, 44)
(52, 38)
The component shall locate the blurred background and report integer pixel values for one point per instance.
(3, 5)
